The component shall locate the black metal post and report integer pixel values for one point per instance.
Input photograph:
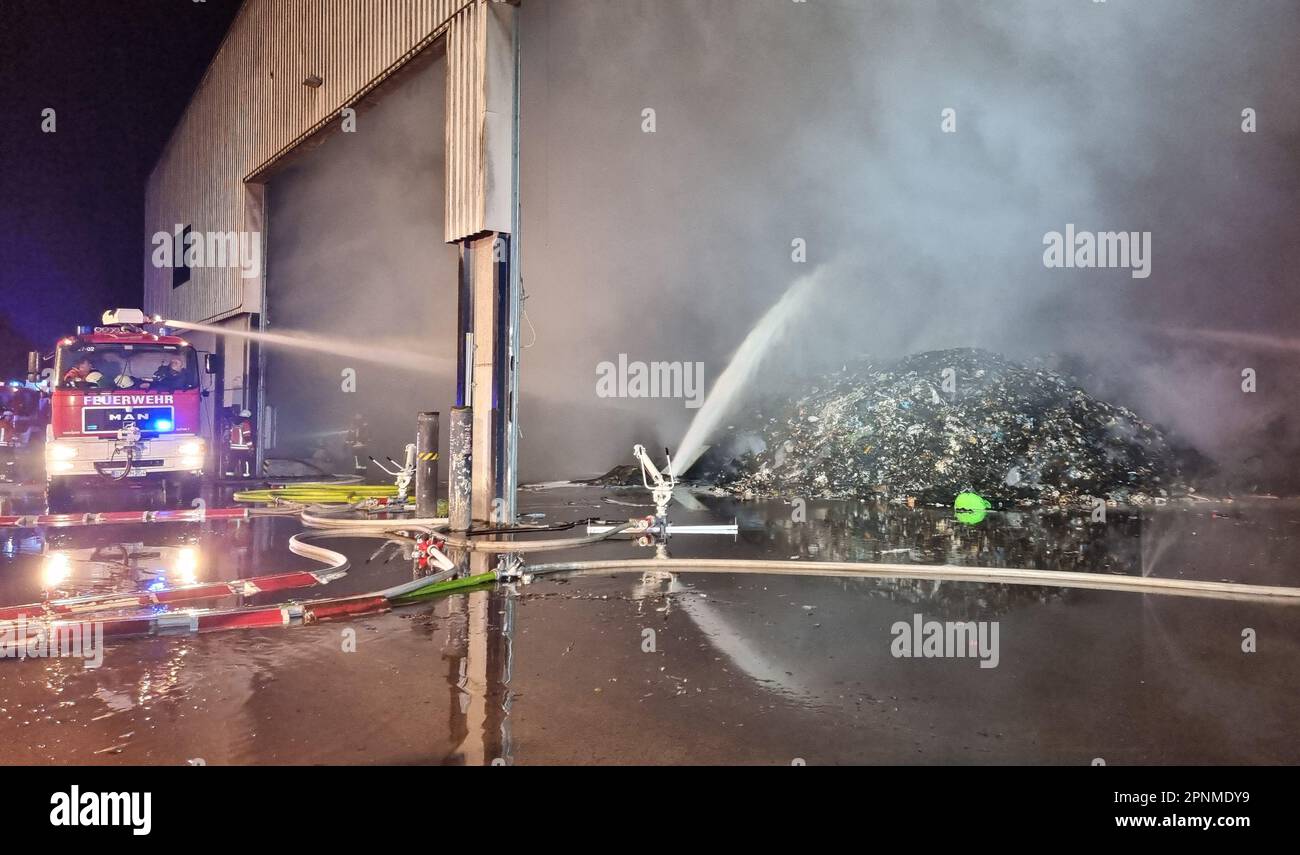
(426, 465)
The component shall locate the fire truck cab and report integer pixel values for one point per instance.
(124, 405)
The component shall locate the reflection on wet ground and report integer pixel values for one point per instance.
(690, 668)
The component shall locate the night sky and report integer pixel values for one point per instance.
(118, 76)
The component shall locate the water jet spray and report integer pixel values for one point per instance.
(412, 358)
(740, 371)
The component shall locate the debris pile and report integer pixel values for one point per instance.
(934, 424)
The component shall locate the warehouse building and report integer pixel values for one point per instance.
(264, 164)
(371, 146)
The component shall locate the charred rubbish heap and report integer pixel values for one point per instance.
(931, 425)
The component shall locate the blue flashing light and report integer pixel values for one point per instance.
(163, 425)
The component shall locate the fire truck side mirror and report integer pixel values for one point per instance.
(33, 366)
(211, 363)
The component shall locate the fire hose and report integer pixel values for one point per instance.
(328, 508)
(69, 606)
(55, 614)
(316, 493)
(949, 572)
(944, 572)
(126, 467)
(438, 584)
(125, 517)
(127, 443)
(852, 569)
(438, 526)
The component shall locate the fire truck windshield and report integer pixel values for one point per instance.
(146, 367)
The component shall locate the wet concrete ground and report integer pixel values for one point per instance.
(742, 668)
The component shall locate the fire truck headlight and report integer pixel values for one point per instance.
(60, 451)
(191, 448)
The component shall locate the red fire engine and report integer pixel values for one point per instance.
(124, 404)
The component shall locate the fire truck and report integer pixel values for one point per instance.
(125, 402)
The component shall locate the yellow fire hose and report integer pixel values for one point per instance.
(317, 493)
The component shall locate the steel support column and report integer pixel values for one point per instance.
(482, 211)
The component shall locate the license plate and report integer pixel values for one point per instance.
(117, 473)
(138, 470)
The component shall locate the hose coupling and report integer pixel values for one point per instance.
(511, 568)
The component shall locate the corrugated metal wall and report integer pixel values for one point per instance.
(465, 47)
(480, 115)
(252, 107)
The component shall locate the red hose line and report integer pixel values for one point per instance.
(346, 607)
(199, 620)
(119, 517)
(180, 594)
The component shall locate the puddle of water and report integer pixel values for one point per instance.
(694, 668)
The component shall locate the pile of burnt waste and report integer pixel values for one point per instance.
(931, 425)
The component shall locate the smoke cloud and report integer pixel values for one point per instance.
(357, 267)
(821, 121)
(783, 128)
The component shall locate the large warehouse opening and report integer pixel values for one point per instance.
(358, 271)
